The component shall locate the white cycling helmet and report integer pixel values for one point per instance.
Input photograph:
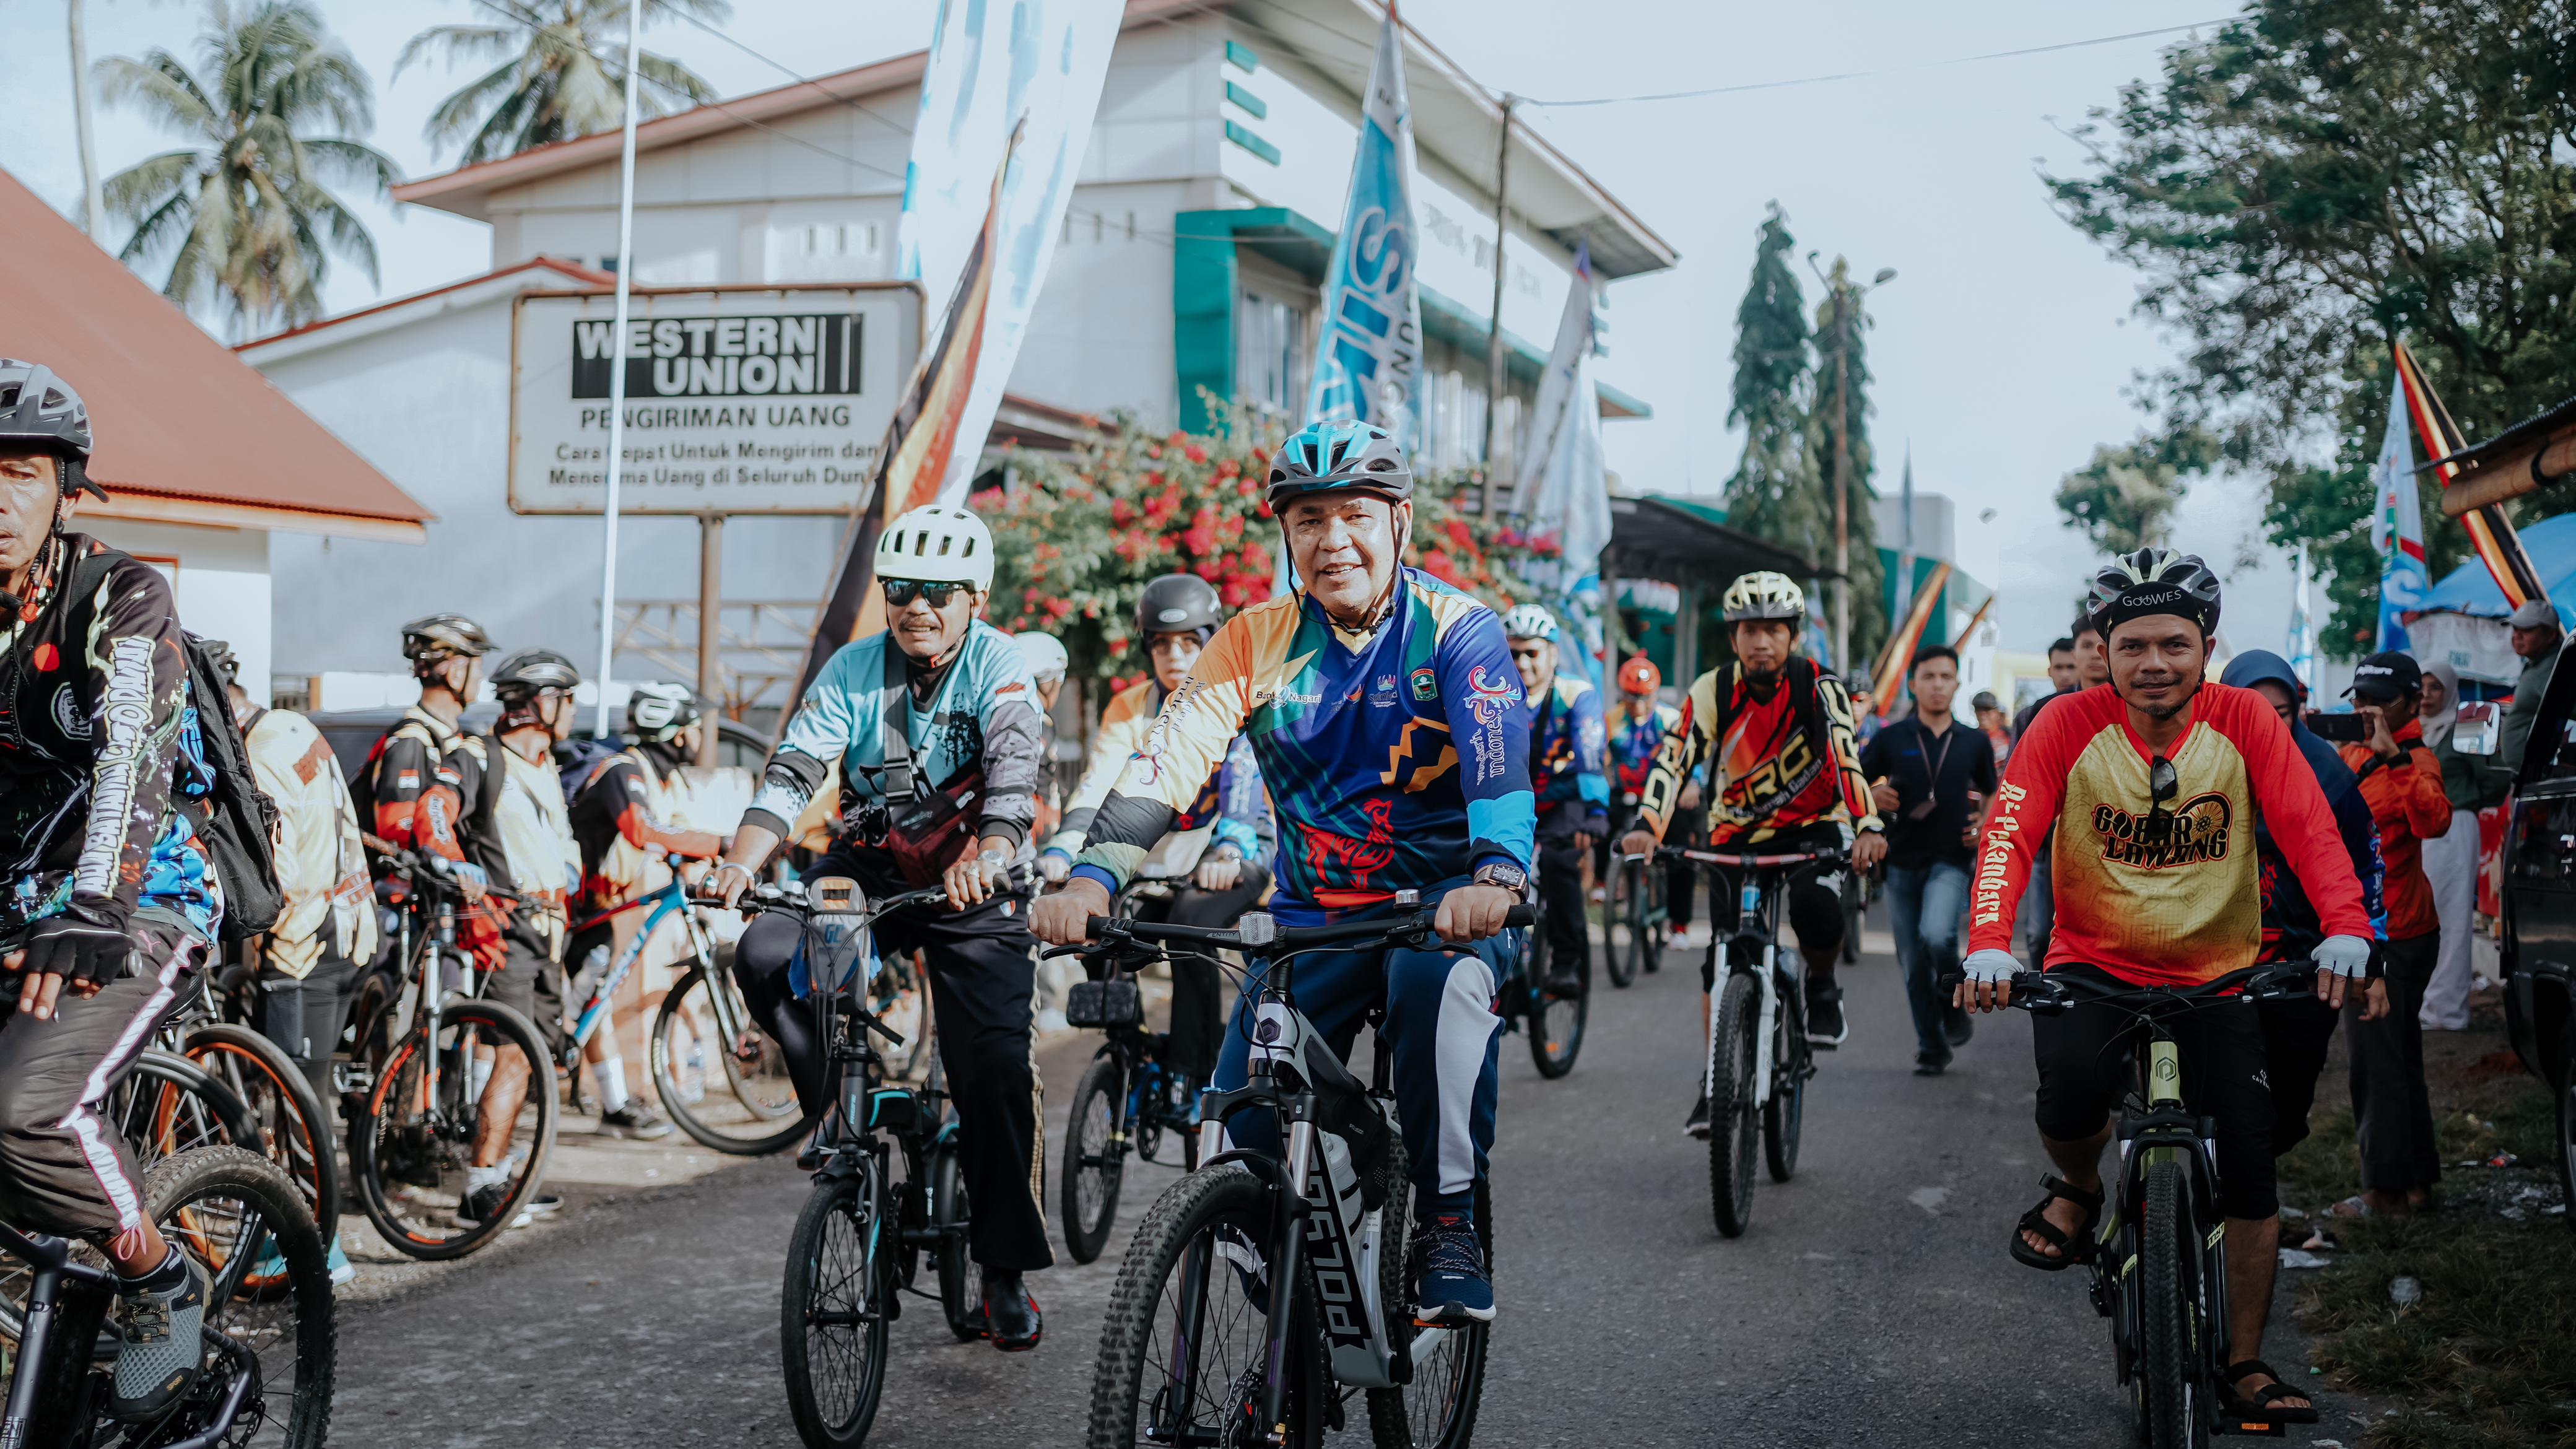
(660, 710)
(938, 545)
(1043, 654)
(1530, 621)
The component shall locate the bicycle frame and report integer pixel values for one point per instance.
(1757, 921)
(51, 1260)
(672, 898)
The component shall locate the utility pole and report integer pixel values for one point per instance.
(1494, 378)
(93, 205)
(1842, 478)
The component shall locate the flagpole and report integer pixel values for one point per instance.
(617, 372)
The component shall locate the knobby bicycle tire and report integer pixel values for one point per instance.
(1437, 1410)
(2168, 1352)
(373, 1164)
(1622, 906)
(1556, 1023)
(1095, 1158)
(1224, 1198)
(230, 1208)
(291, 1116)
(1731, 1118)
(761, 1132)
(836, 1280)
(961, 1300)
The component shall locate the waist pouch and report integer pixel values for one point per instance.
(936, 831)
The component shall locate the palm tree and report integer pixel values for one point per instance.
(562, 74)
(244, 212)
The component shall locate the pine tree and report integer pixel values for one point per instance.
(1775, 494)
(1870, 625)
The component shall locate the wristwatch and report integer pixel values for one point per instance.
(1502, 873)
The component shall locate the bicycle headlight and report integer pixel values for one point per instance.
(1256, 928)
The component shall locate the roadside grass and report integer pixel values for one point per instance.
(2487, 1355)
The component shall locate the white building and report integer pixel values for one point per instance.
(1191, 258)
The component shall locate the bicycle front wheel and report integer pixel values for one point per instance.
(412, 1142)
(1095, 1158)
(1186, 1344)
(734, 1095)
(2169, 1350)
(1785, 1114)
(281, 1099)
(832, 1311)
(244, 1221)
(960, 1297)
(1556, 1024)
(1731, 1118)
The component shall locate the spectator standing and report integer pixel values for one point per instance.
(2402, 783)
(1928, 776)
(2536, 638)
(2472, 783)
(2061, 680)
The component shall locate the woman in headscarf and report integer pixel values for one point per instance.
(2473, 782)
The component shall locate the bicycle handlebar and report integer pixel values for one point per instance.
(1109, 932)
(1752, 862)
(792, 898)
(2054, 994)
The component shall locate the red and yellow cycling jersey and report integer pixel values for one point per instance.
(1782, 756)
(2158, 892)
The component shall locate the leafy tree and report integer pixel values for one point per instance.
(244, 214)
(2318, 179)
(1868, 581)
(1776, 494)
(562, 73)
(2125, 498)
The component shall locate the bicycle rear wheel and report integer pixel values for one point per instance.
(1621, 912)
(960, 1296)
(2170, 1350)
(292, 1119)
(832, 1311)
(409, 1152)
(1556, 1022)
(1185, 1345)
(1731, 1137)
(733, 1096)
(1785, 1114)
(243, 1220)
(1095, 1158)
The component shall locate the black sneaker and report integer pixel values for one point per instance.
(1565, 984)
(1927, 1065)
(1957, 1026)
(160, 1334)
(1451, 1287)
(1011, 1317)
(1696, 1125)
(634, 1120)
(1825, 1025)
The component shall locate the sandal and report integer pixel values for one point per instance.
(2035, 1221)
(2262, 1407)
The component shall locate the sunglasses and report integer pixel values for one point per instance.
(899, 593)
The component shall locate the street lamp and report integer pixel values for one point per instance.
(1846, 300)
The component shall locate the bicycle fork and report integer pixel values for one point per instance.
(1285, 1268)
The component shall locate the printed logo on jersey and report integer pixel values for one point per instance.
(69, 717)
(1426, 684)
(2195, 832)
(128, 714)
(1490, 701)
(1383, 696)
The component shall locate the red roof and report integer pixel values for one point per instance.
(575, 271)
(179, 418)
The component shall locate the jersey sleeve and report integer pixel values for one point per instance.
(817, 735)
(1480, 694)
(1122, 732)
(1686, 741)
(629, 804)
(1185, 745)
(2025, 807)
(1842, 737)
(1013, 747)
(1592, 760)
(419, 796)
(139, 688)
(1243, 803)
(2294, 809)
(2428, 806)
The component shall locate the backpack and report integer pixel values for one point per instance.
(580, 759)
(236, 822)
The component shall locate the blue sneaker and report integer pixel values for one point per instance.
(272, 1264)
(1450, 1285)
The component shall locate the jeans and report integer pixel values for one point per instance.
(1923, 905)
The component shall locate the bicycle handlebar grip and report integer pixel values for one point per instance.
(1520, 916)
(1093, 928)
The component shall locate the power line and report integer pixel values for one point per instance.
(798, 76)
(1884, 70)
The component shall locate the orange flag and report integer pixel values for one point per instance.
(1888, 678)
(2490, 532)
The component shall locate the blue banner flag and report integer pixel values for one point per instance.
(1369, 358)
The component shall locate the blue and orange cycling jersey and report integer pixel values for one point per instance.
(1633, 743)
(1396, 759)
(1569, 745)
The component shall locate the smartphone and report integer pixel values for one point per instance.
(2342, 729)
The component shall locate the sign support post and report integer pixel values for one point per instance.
(710, 635)
(617, 372)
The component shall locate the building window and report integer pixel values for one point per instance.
(1270, 353)
(826, 251)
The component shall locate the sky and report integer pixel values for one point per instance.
(2005, 349)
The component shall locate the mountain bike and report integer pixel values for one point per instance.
(270, 1347)
(1759, 1061)
(426, 1046)
(1554, 1024)
(2159, 1262)
(1636, 925)
(888, 1183)
(1247, 1311)
(293, 1129)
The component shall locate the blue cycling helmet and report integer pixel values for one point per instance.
(1339, 456)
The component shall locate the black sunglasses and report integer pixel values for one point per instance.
(2163, 783)
(899, 593)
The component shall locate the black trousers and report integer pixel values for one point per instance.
(304, 1016)
(2296, 1036)
(1560, 890)
(1199, 992)
(64, 1168)
(2392, 1111)
(982, 977)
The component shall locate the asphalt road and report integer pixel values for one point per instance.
(1870, 1303)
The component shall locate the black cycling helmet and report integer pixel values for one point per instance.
(437, 638)
(40, 412)
(2153, 581)
(1175, 604)
(527, 671)
(658, 711)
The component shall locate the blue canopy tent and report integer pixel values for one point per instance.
(2470, 589)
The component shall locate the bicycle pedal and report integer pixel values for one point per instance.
(2268, 1429)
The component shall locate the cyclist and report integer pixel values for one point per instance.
(1776, 730)
(108, 898)
(1044, 655)
(948, 698)
(1569, 782)
(1386, 716)
(616, 821)
(1217, 849)
(1637, 728)
(2150, 785)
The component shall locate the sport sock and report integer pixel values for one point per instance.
(478, 1178)
(611, 1077)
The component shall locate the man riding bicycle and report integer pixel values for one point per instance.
(1218, 850)
(1776, 730)
(934, 725)
(2152, 784)
(1569, 780)
(1637, 725)
(1386, 716)
(107, 897)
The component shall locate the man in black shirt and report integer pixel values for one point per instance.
(1929, 775)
